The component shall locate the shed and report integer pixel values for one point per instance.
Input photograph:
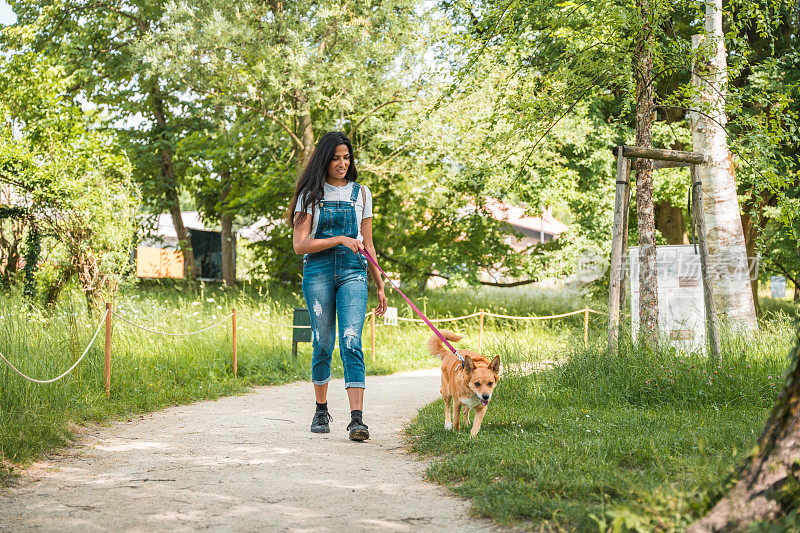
(158, 254)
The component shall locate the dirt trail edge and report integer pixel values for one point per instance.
(245, 463)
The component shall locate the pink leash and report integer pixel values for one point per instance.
(414, 307)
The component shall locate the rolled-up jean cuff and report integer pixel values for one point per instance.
(323, 382)
(355, 385)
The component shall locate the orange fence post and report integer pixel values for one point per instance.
(372, 332)
(107, 365)
(480, 332)
(585, 327)
(234, 341)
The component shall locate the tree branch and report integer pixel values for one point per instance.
(718, 123)
(370, 112)
(389, 259)
(235, 101)
(512, 284)
(140, 22)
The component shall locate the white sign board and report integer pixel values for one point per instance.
(681, 309)
(777, 285)
(390, 318)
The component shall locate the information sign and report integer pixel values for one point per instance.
(681, 309)
(777, 285)
(390, 318)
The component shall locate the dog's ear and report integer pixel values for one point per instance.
(494, 366)
(469, 366)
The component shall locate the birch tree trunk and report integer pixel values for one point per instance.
(727, 255)
(645, 218)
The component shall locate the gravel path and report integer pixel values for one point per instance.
(245, 463)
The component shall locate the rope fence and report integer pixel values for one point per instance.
(70, 369)
(482, 314)
(267, 322)
(371, 315)
(212, 326)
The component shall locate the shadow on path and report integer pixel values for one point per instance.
(245, 463)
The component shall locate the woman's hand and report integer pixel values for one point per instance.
(353, 244)
(381, 309)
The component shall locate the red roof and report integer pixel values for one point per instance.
(515, 216)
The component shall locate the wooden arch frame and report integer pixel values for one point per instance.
(619, 241)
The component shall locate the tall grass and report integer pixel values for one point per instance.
(749, 372)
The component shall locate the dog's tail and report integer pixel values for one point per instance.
(435, 345)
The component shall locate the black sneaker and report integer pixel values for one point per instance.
(320, 422)
(358, 430)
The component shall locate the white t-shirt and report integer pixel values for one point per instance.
(342, 194)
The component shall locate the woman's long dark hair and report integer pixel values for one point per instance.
(311, 185)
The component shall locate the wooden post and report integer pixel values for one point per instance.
(658, 154)
(708, 293)
(617, 264)
(372, 332)
(585, 327)
(625, 215)
(235, 360)
(107, 366)
(480, 332)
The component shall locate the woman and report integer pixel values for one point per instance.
(331, 216)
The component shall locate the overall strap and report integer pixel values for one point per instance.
(363, 202)
(354, 195)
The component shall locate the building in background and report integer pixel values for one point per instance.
(158, 254)
(534, 229)
(524, 232)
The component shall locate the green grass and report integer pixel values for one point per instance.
(643, 437)
(152, 371)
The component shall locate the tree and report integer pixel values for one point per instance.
(96, 43)
(730, 275)
(645, 216)
(312, 67)
(764, 87)
(68, 172)
(226, 165)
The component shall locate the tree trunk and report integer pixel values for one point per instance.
(228, 259)
(12, 233)
(305, 131)
(58, 284)
(226, 221)
(750, 229)
(171, 189)
(729, 270)
(758, 495)
(648, 281)
(669, 221)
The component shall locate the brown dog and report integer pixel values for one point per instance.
(470, 386)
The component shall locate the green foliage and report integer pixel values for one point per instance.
(521, 102)
(547, 89)
(69, 173)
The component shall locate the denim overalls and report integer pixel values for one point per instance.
(335, 285)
